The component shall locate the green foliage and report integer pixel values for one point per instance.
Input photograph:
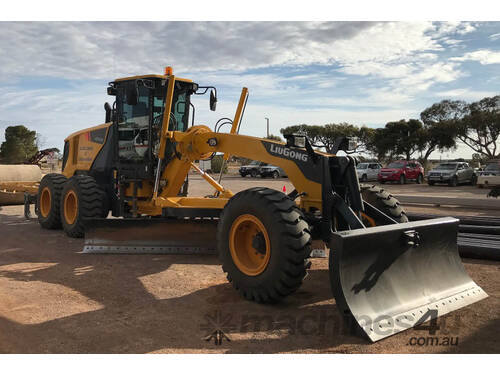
(442, 124)
(403, 137)
(217, 164)
(19, 145)
(475, 124)
(274, 138)
(325, 135)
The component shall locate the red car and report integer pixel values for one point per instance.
(402, 171)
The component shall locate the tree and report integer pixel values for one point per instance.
(366, 137)
(313, 132)
(476, 124)
(274, 138)
(399, 138)
(19, 145)
(324, 136)
(480, 127)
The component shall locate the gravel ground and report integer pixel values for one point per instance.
(54, 299)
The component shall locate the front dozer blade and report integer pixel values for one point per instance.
(150, 236)
(389, 278)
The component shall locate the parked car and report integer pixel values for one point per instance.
(368, 171)
(252, 169)
(401, 171)
(490, 175)
(271, 171)
(452, 173)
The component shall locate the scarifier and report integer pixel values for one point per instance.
(387, 274)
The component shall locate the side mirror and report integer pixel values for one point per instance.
(213, 100)
(132, 94)
(107, 108)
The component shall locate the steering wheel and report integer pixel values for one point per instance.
(158, 119)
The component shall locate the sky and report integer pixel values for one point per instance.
(53, 75)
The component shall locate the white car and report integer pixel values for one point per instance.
(490, 176)
(368, 171)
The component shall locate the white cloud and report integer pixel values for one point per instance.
(495, 36)
(111, 49)
(465, 94)
(394, 61)
(483, 56)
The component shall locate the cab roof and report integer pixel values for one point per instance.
(158, 76)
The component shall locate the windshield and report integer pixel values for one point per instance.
(362, 166)
(396, 164)
(492, 167)
(446, 166)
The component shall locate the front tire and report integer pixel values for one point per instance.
(48, 200)
(384, 201)
(454, 181)
(263, 242)
(82, 198)
(364, 178)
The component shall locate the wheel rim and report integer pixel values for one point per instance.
(45, 201)
(70, 207)
(249, 245)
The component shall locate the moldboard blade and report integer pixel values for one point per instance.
(384, 283)
(150, 236)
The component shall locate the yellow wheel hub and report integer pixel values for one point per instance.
(45, 201)
(249, 245)
(70, 207)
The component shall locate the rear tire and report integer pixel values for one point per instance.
(281, 241)
(82, 198)
(384, 201)
(253, 174)
(49, 199)
(364, 178)
(276, 174)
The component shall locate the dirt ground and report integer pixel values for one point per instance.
(54, 299)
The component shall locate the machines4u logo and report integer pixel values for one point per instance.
(278, 150)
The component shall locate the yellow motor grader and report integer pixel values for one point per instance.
(387, 274)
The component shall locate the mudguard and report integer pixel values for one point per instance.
(389, 278)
